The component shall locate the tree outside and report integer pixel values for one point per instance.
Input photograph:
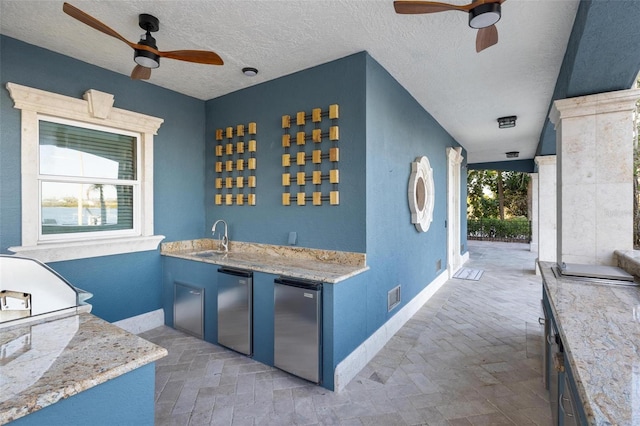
(497, 194)
(497, 205)
(495, 198)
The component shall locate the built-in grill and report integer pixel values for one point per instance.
(597, 274)
(29, 288)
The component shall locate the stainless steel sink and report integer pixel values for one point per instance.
(211, 253)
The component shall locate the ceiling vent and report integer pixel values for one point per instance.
(507, 122)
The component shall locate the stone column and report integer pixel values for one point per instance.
(594, 145)
(533, 211)
(546, 208)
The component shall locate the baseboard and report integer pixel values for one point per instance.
(465, 258)
(358, 359)
(143, 322)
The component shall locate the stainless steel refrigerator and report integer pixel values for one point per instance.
(235, 310)
(298, 328)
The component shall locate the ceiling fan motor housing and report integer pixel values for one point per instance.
(484, 15)
(148, 22)
(142, 57)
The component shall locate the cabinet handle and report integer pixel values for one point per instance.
(561, 400)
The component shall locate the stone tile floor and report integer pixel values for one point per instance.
(470, 356)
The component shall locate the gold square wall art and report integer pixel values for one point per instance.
(235, 165)
(310, 157)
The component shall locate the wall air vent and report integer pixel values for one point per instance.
(393, 298)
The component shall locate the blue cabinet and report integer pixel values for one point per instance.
(124, 400)
(263, 317)
(195, 275)
(205, 275)
(566, 408)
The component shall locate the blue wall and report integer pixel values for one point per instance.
(328, 227)
(178, 171)
(603, 55)
(382, 130)
(398, 131)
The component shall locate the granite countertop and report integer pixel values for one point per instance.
(44, 362)
(600, 328)
(327, 266)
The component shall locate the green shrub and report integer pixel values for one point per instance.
(495, 229)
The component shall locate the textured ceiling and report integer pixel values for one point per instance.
(432, 56)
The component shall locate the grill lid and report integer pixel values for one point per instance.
(29, 288)
(595, 271)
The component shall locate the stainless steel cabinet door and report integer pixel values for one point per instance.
(188, 308)
(297, 331)
(235, 294)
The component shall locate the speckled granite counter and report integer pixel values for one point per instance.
(600, 327)
(629, 260)
(298, 262)
(45, 362)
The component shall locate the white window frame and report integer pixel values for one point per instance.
(135, 183)
(96, 108)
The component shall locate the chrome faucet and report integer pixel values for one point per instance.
(224, 241)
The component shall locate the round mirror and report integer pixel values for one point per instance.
(421, 194)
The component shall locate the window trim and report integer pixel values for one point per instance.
(135, 183)
(95, 108)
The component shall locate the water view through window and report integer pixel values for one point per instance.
(87, 179)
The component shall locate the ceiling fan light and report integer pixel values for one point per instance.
(484, 15)
(250, 71)
(146, 59)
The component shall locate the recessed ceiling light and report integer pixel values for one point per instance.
(250, 71)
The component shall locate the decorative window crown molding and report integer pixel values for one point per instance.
(91, 109)
(454, 155)
(100, 103)
(95, 108)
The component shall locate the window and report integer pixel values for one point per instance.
(88, 181)
(87, 176)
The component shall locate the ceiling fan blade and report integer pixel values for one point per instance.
(486, 37)
(140, 73)
(414, 7)
(197, 56)
(89, 20)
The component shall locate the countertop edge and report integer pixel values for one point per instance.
(293, 271)
(50, 397)
(545, 267)
(600, 381)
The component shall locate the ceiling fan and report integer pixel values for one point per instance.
(146, 53)
(483, 15)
